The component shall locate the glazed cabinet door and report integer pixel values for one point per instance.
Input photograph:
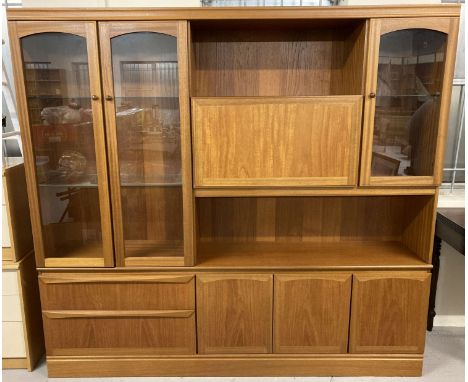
(389, 312)
(234, 313)
(311, 313)
(144, 67)
(410, 69)
(58, 91)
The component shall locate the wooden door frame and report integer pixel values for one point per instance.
(178, 29)
(378, 27)
(86, 29)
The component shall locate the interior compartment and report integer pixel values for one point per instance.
(277, 58)
(332, 231)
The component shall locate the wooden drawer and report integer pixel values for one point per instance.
(116, 291)
(13, 345)
(119, 332)
(11, 308)
(276, 141)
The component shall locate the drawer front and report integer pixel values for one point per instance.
(291, 141)
(129, 291)
(120, 333)
(11, 308)
(13, 345)
(10, 283)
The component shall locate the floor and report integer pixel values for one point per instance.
(444, 361)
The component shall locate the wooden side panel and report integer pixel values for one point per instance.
(119, 335)
(311, 313)
(234, 313)
(117, 292)
(276, 141)
(389, 312)
(418, 235)
(18, 211)
(31, 306)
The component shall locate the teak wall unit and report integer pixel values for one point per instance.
(235, 191)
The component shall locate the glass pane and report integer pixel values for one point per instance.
(148, 133)
(410, 74)
(59, 104)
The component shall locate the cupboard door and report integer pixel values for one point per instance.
(311, 313)
(408, 95)
(146, 102)
(58, 91)
(389, 312)
(276, 141)
(234, 313)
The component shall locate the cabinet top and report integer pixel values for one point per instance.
(240, 13)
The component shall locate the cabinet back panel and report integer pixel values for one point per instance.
(306, 219)
(294, 61)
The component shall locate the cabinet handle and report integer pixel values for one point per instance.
(94, 97)
(109, 98)
(371, 95)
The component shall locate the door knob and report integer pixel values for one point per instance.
(94, 97)
(372, 95)
(109, 98)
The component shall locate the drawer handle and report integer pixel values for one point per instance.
(58, 314)
(82, 279)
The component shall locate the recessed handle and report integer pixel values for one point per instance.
(109, 98)
(94, 97)
(372, 95)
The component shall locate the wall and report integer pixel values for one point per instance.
(111, 3)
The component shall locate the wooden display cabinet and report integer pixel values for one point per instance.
(259, 199)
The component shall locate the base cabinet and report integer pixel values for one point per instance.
(311, 313)
(389, 312)
(234, 313)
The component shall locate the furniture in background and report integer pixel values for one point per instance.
(450, 227)
(22, 338)
(203, 199)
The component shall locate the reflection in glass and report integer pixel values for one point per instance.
(410, 74)
(59, 105)
(146, 94)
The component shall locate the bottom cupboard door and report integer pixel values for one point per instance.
(311, 313)
(234, 313)
(113, 333)
(389, 312)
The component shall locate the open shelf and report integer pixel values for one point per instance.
(315, 232)
(340, 255)
(280, 58)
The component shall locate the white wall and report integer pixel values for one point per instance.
(111, 3)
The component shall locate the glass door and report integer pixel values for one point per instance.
(142, 64)
(408, 92)
(58, 92)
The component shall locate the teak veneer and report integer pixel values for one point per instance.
(234, 191)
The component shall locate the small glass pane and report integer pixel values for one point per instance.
(410, 74)
(146, 94)
(59, 105)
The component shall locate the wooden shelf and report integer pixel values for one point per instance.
(301, 255)
(153, 253)
(89, 255)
